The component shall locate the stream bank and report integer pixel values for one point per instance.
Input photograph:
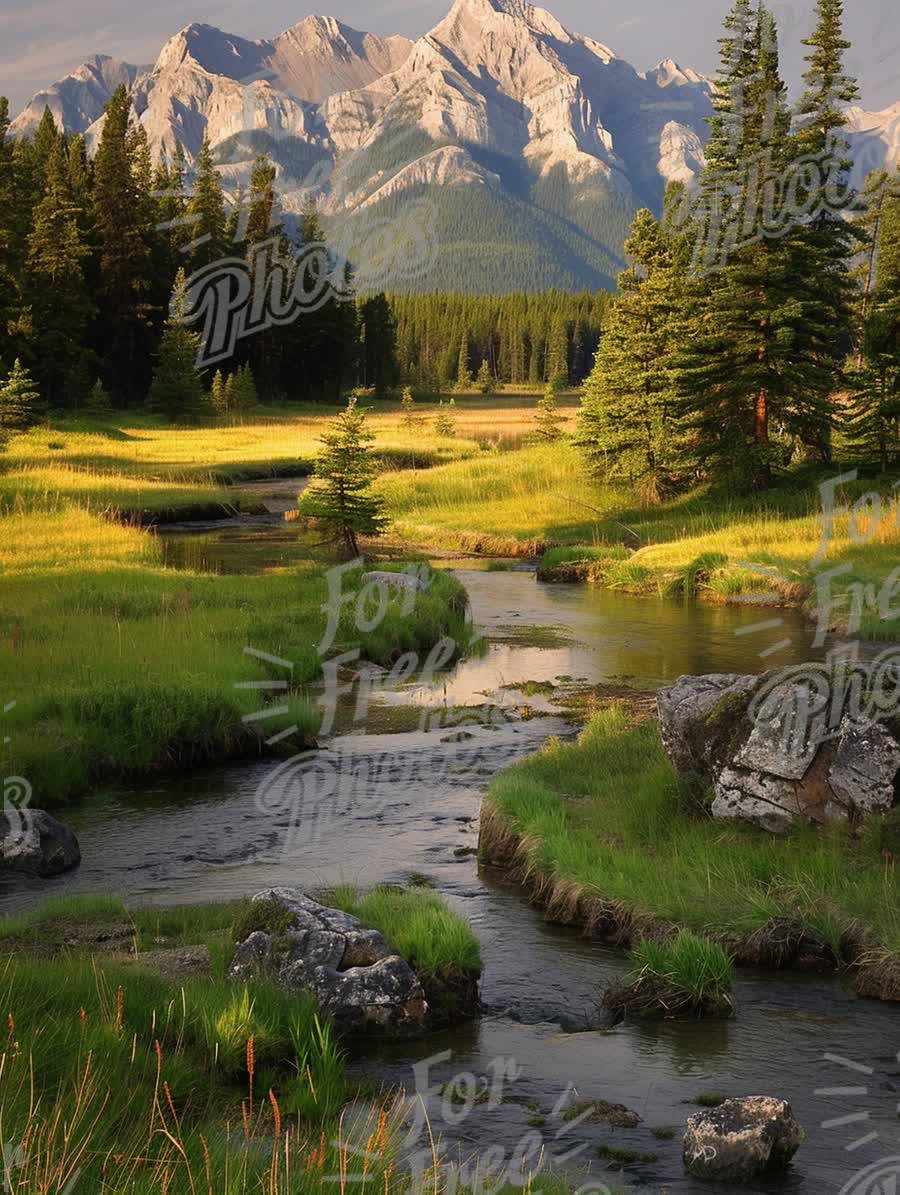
(375, 807)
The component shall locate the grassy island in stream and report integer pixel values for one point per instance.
(119, 665)
(608, 837)
(144, 1077)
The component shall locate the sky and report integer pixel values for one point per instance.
(43, 40)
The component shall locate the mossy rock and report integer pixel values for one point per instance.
(263, 916)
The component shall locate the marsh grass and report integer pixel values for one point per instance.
(602, 820)
(688, 976)
(132, 1084)
(120, 666)
(418, 923)
(695, 964)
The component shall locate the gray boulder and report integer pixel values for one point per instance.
(33, 842)
(408, 581)
(865, 765)
(741, 1139)
(353, 972)
(765, 746)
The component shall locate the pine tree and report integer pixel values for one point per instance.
(119, 215)
(463, 374)
(826, 241)
(177, 390)
(627, 423)
(8, 230)
(873, 425)
(98, 402)
(264, 215)
(485, 378)
(886, 288)
(755, 330)
(445, 423)
(232, 395)
(20, 401)
(206, 211)
(46, 138)
(245, 392)
(558, 352)
(378, 334)
(80, 183)
(339, 497)
(217, 397)
(408, 407)
(876, 190)
(548, 422)
(874, 422)
(59, 301)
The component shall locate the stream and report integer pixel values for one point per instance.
(379, 807)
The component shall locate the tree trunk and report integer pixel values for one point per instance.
(761, 418)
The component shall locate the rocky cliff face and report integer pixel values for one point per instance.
(79, 99)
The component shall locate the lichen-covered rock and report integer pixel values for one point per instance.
(864, 768)
(766, 748)
(32, 841)
(353, 972)
(694, 713)
(741, 1139)
(409, 581)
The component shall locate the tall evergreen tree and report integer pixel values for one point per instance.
(45, 139)
(485, 379)
(627, 422)
(206, 211)
(177, 390)
(124, 252)
(8, 284)
(379, 344)
(60, 305)
(755, 359)
(463, 373)
(547, 419)
(874, 422)
(827, 241)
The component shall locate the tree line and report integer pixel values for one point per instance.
(92, 251)
(760, 318)
(447, 339)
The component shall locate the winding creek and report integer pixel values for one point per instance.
(413, 807)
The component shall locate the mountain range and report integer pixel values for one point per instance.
(497, 152)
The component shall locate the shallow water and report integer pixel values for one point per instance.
(376, 807)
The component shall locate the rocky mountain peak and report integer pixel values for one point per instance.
(211, 50)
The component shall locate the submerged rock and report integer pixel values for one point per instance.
(741, 1139)
(34, 842)
(353, 972)
(774, 751)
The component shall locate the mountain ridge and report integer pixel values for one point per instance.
(508, 128)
